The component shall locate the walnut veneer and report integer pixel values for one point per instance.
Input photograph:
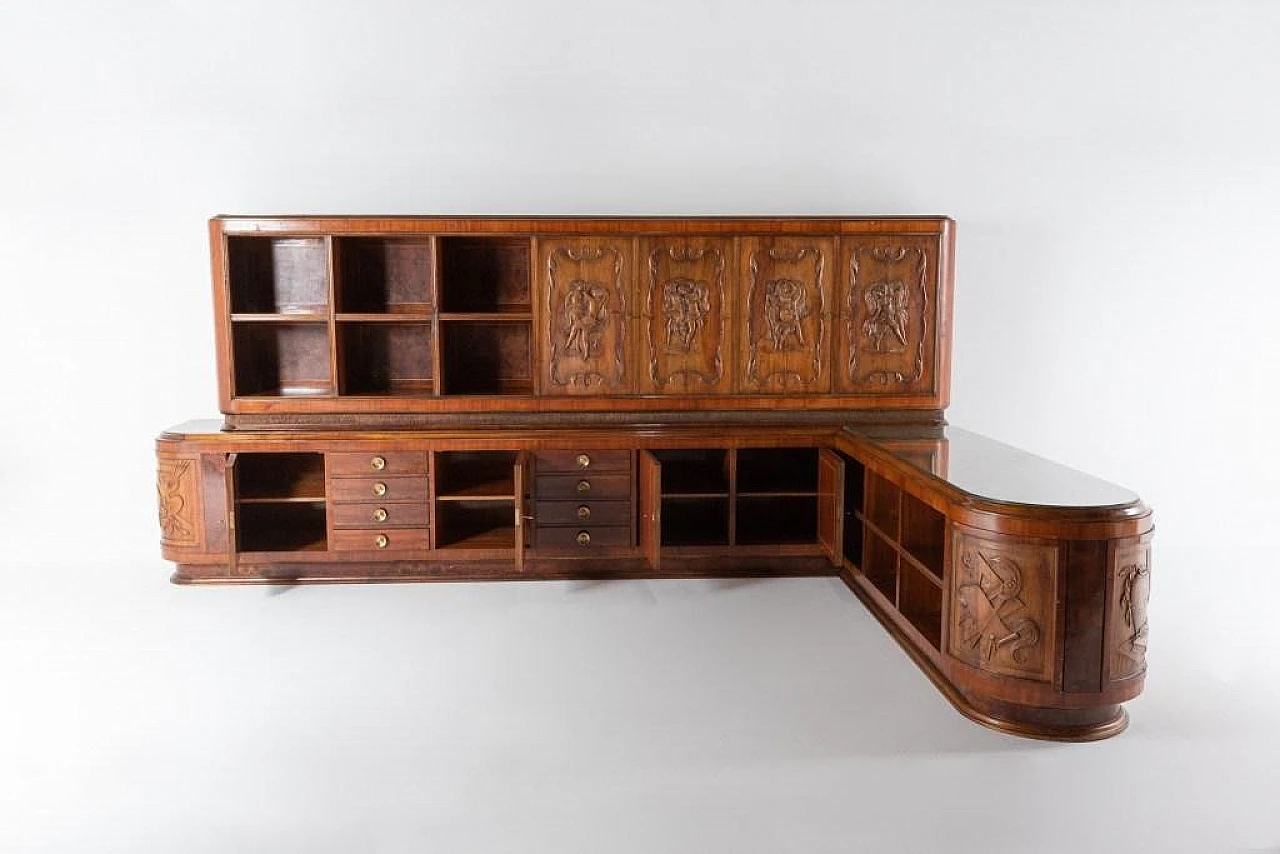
(413, 399)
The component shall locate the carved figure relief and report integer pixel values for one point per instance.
(785, 314)
(1001, 608)
(785, 307)
(175, 490)
(886, 305)
(586, 308)
(1128, 627)
(586, 311)
(685, 304)
(886, 324)
(683, 314)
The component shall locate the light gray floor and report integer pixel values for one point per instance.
(734, 716)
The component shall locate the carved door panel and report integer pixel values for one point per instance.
(1129, 586)
(1004, 604)
(887, 311)
(685, 300)
(784, 337)
(831, 505)
(586, 285)
(523, 514)
(650, 497)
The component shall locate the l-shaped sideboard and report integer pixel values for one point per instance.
(414, 399)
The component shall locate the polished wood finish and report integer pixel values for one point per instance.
(438, 398)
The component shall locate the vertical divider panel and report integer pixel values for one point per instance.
(521, 482)
(337, 376)
(731, 462)
(537, 310)
(233, 524)
(436, 350)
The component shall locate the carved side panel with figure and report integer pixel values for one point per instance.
(586, 285)
(785, 315)
(686, 294)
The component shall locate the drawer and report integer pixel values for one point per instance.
(379, 540)
(378, 463)
(376, 515)
(571, 486)
(585, 461)
(593, 537)
(378, 489)
(582, 513)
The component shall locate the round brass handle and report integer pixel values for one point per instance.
(584, 539)
(380, 515)
(378, 463)
(584, 486)
(584, 512)
(379, 488)
(584, 461)
(381, 541)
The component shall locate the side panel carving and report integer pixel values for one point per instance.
(1127, 617)
(587, 296)
(786, 306)
(887, 307)
(1003, 606)
(685, 297)
(176, 491)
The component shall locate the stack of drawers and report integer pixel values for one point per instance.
(582, 500)
(379, 501)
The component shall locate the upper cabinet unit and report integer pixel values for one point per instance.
(406, 320)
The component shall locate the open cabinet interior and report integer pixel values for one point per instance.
(776, 493)
(279, 502)
(476, 499)
(287, 275)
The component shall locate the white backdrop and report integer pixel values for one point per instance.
(1114, 173)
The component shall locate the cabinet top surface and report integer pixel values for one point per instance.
(991, 470)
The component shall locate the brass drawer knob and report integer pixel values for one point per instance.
(378, 463)
(379, 488)
(584, 486)
(380, 515)
(584, 538)
(381, 541)
(584, 512)
(584, 461)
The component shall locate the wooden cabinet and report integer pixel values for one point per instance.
(420, 399)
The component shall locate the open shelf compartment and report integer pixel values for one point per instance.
(280, 502)
(475, 475)
(384, 275)
(486, 357)
(485, 275)
(777, 470)
(278, 275)
(386, 358)
(281, 359)
(923, 533)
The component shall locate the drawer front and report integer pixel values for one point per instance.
(378, 489)
(376, 515)
(584, 538)
(584, 461)
(571, 486)
(582, 513)
(376, 463)
(380, 540)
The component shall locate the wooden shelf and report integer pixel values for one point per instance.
(288, 317)
(388, 317)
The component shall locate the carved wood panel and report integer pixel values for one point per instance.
(1004, 605)
(179, 503)
(1127, 610)
(785, 315)
(886, 315)
(686, 298)
(586, 284)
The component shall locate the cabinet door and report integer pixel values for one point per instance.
(523, 510)
(786, 296)
(831, 505)
(887, 305)
(233, 524)
(650, 496)
(685, 301)
(586, 286)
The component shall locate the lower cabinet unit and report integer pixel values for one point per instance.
(1017, 586)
